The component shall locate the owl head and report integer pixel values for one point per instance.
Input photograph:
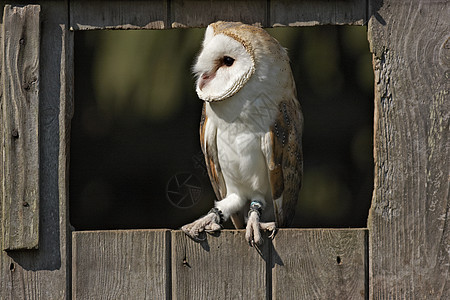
(235, 55)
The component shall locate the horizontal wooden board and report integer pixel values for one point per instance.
(121, 264)
(320, 264)
(122, 14)
(308, 13)
(200, 13)
(158, 264)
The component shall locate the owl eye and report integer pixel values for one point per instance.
(228, 61)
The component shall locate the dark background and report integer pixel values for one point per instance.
(135, 154)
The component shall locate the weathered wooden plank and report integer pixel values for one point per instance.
(127, 264)
(308, 13)
(200, 13)
(223, 267)
(320, 264)
(408, 221)
(20, 99)
(120, 14)
(2, 140)
(43, 273)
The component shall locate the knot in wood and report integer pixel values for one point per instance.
(15, 133)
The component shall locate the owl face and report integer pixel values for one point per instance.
(223, 66)
(236, 55)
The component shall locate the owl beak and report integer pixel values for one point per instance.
(204, 79)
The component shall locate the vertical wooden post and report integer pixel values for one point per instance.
(43, 273)
(20, 100)
(408, 221)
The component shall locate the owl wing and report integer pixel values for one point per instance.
(208, 136)
(283, 150)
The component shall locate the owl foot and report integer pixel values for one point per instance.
(209, 223)
(252, 231)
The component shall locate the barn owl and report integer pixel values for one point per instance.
(250, 130)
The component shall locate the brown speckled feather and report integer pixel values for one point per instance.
(209, 148)
(286, 160)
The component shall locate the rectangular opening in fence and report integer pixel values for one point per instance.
(136, 160)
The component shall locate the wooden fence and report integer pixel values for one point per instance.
(403, 254)
(298, 264)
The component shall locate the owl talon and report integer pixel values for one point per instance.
(213, 227)
(269, 226)
(195, 229)
(252, 232)
(273, 233)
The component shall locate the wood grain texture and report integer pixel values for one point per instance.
(409, 229)
(320, 264)
(158, 264)
(200, 13)
(2, 140)
(308, 13)
(44, 273)
(131, 264)
(222, 267)
(121, 14)
(20, 99)
(408, 221)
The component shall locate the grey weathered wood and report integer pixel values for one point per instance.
(308, 13)
(44, 273)
(141, 264)
(120, 14)
(129, 264)
(20, 99)
(2, 140)
(409, 225)
(320, 264)
(222, 267)
(200, 13)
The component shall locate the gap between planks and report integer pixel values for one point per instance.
(299, 263)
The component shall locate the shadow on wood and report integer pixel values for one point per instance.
(298, 264)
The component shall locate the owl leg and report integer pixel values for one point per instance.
(209, 223)
(252, 231)
(215, 217)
